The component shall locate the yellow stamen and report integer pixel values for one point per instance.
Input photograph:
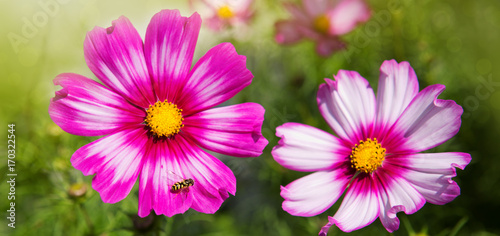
(164, 119)
(367, 155)
(225, 12)
(322, 24)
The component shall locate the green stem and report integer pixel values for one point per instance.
(407, 225)
(459, 225)
(86, 216)
(169, 226)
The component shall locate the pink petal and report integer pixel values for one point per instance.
(85, 107)
(169, 48)
(212, 179)
(215, 179)
(298, 13)
(348, 105)
(311, 33)
(212, 3)
(115, 159)
(116, 57)
(346, 15)
(315, 7)
(217, 76)
(237, 6)
(240, 9)
(328, 45)
(156, 182)
(395, 195)
(314, 193)
(324, 229)
(231, 130)
(215, 23)
(242, 5)
(426, 123)
(397, 86)
(305, 148)
(431, 173)
(387, 214)
(233, 4)
(287, 32)
(360, 206)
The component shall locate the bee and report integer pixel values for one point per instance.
(182, 185)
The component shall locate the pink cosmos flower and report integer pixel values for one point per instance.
(376, 152)
(322, 21)
(156, 115)
(224, 13)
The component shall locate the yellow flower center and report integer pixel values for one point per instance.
(164, 119)
(322, 24)
(367, 155)
(225, 12)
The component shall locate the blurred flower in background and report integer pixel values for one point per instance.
(322, 21)
(220, 14)
(376, 154)
(155, 113)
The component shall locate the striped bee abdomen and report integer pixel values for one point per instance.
(184, 184)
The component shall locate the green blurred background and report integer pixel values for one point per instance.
(455, 43)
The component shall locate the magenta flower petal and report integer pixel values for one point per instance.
(300, 16)
(212, 179)
(426, 123)
(220, 14)
(395, 195)
(215, 179)
(231, 130)
(116, 57)
(322, 150)
(85, 107)
(116, 159)
(287, 32)
(316, 7)
(431, 173)
(348, 105)
(400, 192)
(169, 48)
(314, 193)
(346, 15)
(387, 213)
(216, 77)
(156, 181)
(398, 85)
(324, 229)
(215, 23)
(433, 162)
(326, 46)
(360, 206)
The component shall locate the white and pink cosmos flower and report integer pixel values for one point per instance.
(221, 14)
(322, 21)
(375, 156)
(156, 114)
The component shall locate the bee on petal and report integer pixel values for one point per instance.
(181, 184)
